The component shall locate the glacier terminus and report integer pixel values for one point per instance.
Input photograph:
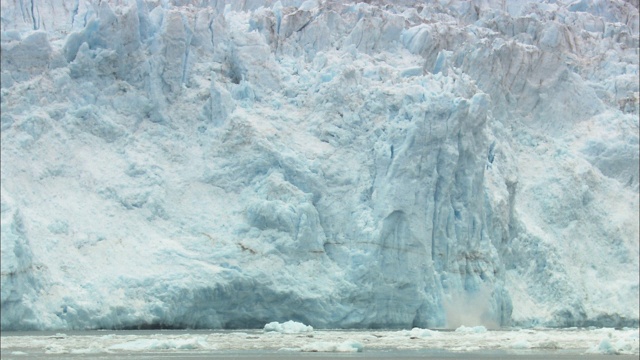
(376, 164)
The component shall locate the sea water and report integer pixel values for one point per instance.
(464, 343)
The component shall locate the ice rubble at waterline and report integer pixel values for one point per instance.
(346, 165)
(515, 342)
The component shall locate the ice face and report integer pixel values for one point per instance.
(177, 164)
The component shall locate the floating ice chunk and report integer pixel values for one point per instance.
(552, 345)
(472, 329)
(347, 346)
(91, 350)
(55, 349)
(136, 345)
(606, 330)
(421, 333)
(520, 344)
(624, 347)
(417, 332)
(634, 335)
(605, 347)
(289, 327)
(18, 353)
(160, 344)
(614, 345)
(289, 349)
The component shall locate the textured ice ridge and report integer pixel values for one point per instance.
(345, 165)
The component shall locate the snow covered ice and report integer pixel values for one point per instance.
(194, 164)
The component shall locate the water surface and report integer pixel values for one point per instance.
(565, 344)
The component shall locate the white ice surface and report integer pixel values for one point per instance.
(346, 165)
(288, 327)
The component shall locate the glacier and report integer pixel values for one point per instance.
(379, 164)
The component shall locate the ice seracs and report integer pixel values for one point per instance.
(229, 165)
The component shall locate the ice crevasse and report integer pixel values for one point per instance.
(212, 164)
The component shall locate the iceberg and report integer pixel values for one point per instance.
(472, 330)
(346, 346)
(288, 327)
(381, 164)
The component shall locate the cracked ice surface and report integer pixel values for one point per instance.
(347, 165)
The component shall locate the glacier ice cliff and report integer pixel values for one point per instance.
(212, 164)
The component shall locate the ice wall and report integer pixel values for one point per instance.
(380, 164)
